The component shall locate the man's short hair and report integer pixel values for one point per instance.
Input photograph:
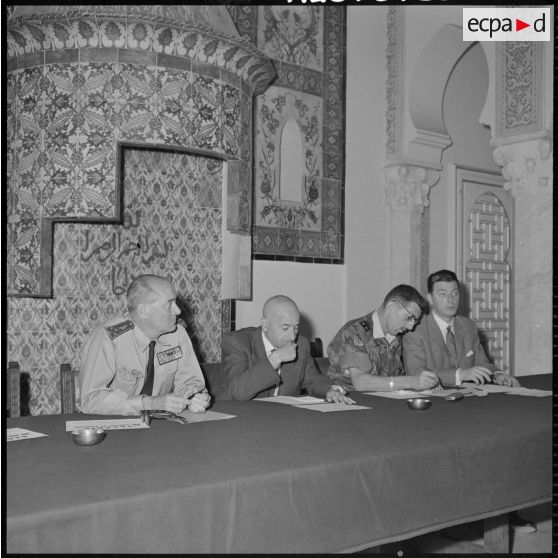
(444, 275)
(406, 294)
(139, 290)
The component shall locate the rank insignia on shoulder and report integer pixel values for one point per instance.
(118, 329)
(365, 325)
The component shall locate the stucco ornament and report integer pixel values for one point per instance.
(525, 165)
(408, 186)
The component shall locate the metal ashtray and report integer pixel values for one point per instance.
(88, 436)
(419, 403)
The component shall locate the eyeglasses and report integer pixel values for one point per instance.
(410, 316)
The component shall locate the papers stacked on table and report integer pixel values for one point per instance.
(106, 424)
(13, 434)
(312, 403)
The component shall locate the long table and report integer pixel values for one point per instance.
(278, 478)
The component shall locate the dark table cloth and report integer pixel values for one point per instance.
(277, 478)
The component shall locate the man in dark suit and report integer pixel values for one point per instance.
(447, 344)
(273, 359)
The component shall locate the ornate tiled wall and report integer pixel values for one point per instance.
(65, 122)
(86, 89)
(307, 46)
(171, 227)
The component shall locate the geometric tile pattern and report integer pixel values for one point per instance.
(307, 46)
(171, 226)
(488, 275)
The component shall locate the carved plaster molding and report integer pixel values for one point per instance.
(526, 165)
(519, 90)
(427, 147)
(407, 187)
(394, 85)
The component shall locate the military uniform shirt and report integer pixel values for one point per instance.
(354, 346)
(114, 363)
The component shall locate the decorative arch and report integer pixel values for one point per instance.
(426, 94)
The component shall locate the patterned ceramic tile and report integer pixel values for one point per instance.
(292, 34)
(246, 21)
(308, 48)
(265, 240)
(69, 117)
(93, 266)
(276, 107)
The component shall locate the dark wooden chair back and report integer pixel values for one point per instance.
(13, 385)
(316, 348)
(213, 378)
(68, 389)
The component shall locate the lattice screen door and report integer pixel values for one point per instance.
(485, 259)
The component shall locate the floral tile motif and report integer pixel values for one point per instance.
(307, 45)
(276, 107)
(68, 119)
(292, 34)
(171, 226)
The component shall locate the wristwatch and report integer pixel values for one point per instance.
(340, 389)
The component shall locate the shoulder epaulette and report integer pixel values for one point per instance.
(118, 329)
(365, 325)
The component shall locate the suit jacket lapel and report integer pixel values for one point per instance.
(258, 345)
(436, 334)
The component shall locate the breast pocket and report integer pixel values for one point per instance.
(127, 380)
(166, 374)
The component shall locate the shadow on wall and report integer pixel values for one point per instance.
(187, 316)
(306, 327)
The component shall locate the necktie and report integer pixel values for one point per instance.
(452, 349)
(147, 388)
(278, 370)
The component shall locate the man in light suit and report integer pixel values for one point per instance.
(447, 344)
(273, 359)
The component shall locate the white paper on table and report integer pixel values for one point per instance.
(289, 400)
(495, 388)
(328, 407)
(529, 391)
(14, 434)
(106, 424)
(201, 417)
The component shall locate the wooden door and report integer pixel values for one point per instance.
(485, 259)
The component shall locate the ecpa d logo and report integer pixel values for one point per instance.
(507, 24)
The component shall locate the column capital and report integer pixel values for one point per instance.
(526, 165)
(407, 187)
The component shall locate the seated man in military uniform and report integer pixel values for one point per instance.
(144, 362)
(365, 354)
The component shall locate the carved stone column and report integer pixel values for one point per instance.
(527, 168)
(407, 189)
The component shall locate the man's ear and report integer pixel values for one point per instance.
(390, 304)
(141, 309)
(429, 298)
(265, 324)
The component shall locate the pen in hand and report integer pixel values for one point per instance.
(190, 397)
